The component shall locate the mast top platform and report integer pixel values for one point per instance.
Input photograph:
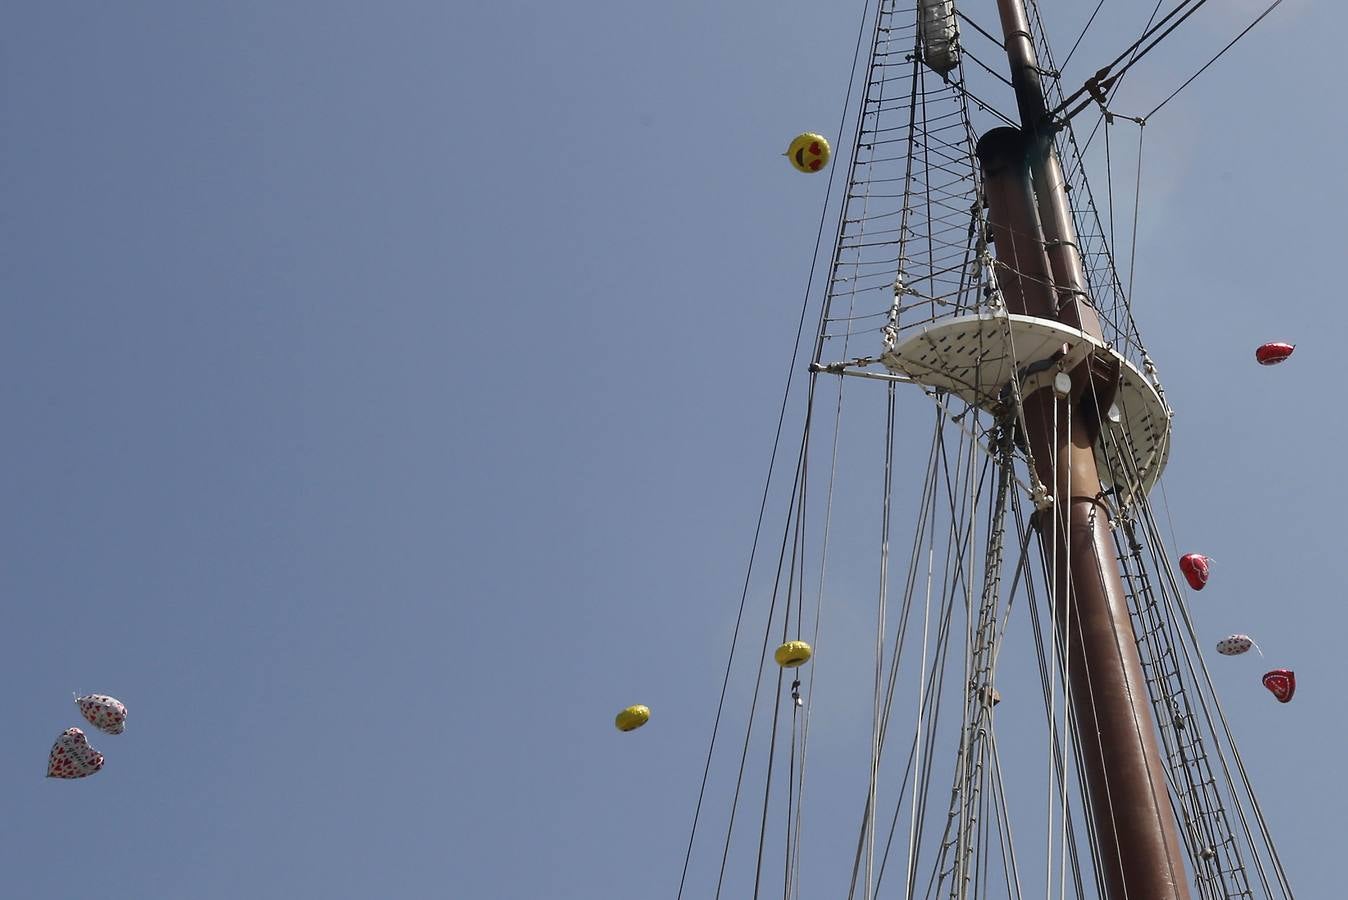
(976, 356)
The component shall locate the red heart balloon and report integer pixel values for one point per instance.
(1274, 352)
(1282, 683)
(1195, 569)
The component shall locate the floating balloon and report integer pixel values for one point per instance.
(107, 714)
(809, 152)
(72, 757)
(792, 654)
(1236, 644)
(632, 718)
(1195, 569)
(1272, 353)
(1282, 683)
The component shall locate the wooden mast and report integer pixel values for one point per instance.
(1040, 272)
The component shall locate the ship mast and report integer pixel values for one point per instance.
(1040, 273)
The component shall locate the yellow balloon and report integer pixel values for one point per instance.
(792, 654)
(632, 718)
(809, 152)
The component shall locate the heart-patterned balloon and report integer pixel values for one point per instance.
(1282, 683)
(1235, 645)
(72, 757)
(107, 714)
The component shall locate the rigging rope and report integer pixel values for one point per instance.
(1274, 5)
(767, 487)
(1054, 598)
(981, 30)
(1101, 275)
(758, 678)
(1077, 42)
(882, 601)
(1137, 205)
(1104, 81)
(926, 521)
(936, 212)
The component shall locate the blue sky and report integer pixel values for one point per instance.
(389, 392)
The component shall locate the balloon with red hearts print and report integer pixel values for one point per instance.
(1236, 644)
(72, 757)
(107, 714)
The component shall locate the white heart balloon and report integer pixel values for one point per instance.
(72, 757)
(1234, 645)
(107, 714)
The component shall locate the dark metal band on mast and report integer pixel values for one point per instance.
(1040, 273)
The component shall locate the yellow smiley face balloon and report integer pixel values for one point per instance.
(808, 152)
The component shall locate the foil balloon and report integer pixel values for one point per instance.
(1236, 644)
(72, 757)
(632, 718)
(107, 714)
(808, 152)
(1195, 567)
(1282, 683)
(1272, 353)
(793, 654)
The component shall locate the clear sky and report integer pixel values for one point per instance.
(388, 391)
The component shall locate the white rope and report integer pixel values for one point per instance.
(921, 697)
(1010, 866)
(794, 877)
(881, 604)
(1053, 661)
(1064, 506)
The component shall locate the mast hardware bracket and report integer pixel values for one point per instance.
(857, 369)
(1042, 373)
(1099, 86)
(1055, 244)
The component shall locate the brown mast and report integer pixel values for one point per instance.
(1040, 273)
